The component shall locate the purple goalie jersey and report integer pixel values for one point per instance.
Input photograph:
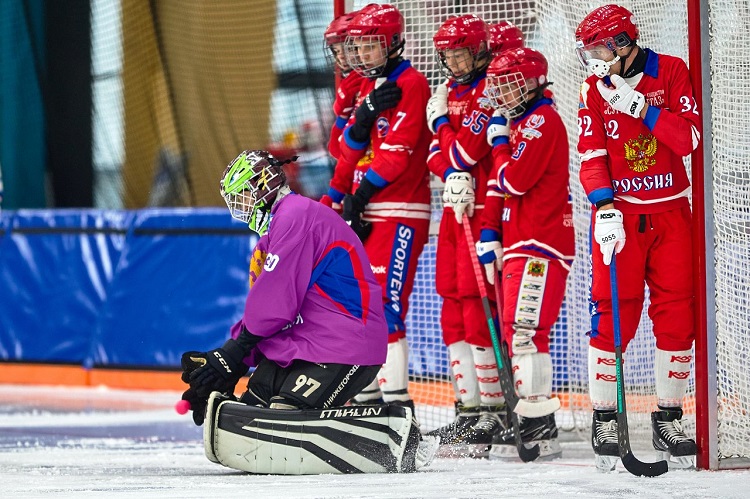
(316, 298)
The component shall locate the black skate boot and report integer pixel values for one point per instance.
(604, 440)
(670, 440)
(475, 440)
(534, 431)
(450, 433)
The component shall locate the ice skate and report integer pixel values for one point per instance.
(604, 440)
(534, 431)
(670, 440)
(452, 433)
(475, 440)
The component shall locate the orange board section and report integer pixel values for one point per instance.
(51, 374)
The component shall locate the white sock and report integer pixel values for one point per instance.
(464, 373)
(490, 392)
(672, 376)
(602, 379)
(394, 375)
(532, 374)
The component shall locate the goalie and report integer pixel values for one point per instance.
(313, 328)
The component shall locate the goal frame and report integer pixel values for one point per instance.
(704, 274)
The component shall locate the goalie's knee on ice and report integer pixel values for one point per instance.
(358, 439)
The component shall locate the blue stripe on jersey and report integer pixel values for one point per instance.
(600, 194)
(397, 270)
(334, 274)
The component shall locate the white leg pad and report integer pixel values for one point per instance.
(359, 439)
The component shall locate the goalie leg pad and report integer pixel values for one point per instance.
(358, 439)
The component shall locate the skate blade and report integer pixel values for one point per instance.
(548, 450)
(677, 462)
(605, 464)
(426, 451)
(477, 451)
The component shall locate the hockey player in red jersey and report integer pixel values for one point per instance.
(347, 92)
(505, 36)
(637, 118)
(527, 229)
(389, 203)
(457, 114)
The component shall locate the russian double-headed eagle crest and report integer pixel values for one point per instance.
(639, 152)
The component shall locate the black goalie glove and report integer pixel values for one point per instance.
(354, 206)
(197, 405)
(384, 97)
(218, 370)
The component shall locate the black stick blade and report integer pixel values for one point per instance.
(639, 468)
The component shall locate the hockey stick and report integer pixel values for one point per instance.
(504, 371)
(631, 463)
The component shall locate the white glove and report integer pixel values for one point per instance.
(459, 194)
(437, 106)
(609, 233)
(490, 253)
(498, 126)
(622, 97)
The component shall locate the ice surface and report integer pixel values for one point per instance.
(80, 443)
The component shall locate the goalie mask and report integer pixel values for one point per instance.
(462, 48)
(505, 36)
(251, 185)
(600, 34)
(374, 35)
(515, 80)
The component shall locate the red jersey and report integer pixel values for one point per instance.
(638, 162)
(460, 143)
(531, 173)
(343, 105)
(395, 158)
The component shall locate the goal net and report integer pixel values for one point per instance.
(549, 26)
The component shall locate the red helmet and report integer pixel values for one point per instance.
(336, 31)
(505, 36)
(608, 21)
(379, 20)
(374, 24)
(513, 77)
(469, 32)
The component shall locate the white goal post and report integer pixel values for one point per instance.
(712, 36)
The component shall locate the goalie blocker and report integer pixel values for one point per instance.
(358, 439)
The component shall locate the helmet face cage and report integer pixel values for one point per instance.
(249, 187)
(465, 60)
(367, 55)
(461, 43)
(509, 92)
(336, 55)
